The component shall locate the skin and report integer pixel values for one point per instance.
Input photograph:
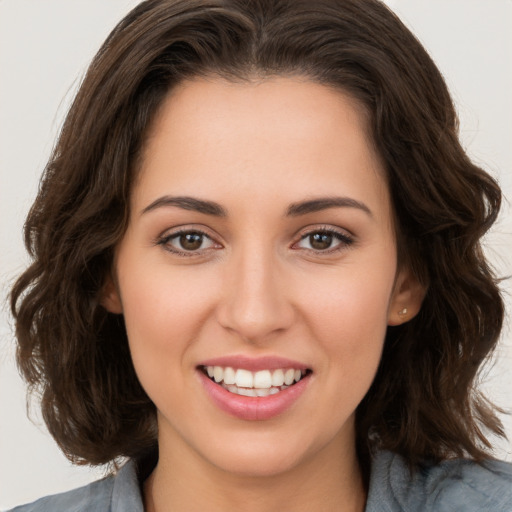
(258, 286)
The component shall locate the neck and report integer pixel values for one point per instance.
(331, 480)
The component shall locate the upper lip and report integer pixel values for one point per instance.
(254, 364)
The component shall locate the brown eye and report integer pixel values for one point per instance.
(320, 241)
(191, 241)
(324, 241)
(187, 242)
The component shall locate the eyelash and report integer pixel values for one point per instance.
(344, 240)
(342, 237)
(165, 240)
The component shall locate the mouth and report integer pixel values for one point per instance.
(262, 383)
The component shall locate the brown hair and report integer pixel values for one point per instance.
(423, 402)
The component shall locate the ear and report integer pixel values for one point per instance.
(110, 298)
(407, 297)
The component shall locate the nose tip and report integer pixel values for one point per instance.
(255, 305)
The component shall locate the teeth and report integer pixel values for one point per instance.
(229, 376)
(243, 378)
(289, 376)
(247, 383)
(246, 392)
(218, 373)
(262, 379)
(254, 392)
(278, 378)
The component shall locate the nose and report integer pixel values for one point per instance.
(255, 303)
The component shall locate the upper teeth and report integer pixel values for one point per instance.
(264, 379)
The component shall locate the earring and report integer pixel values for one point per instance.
(402, 313)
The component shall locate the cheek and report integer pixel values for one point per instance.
(161, 298)
(351, 300)
(347, 313)
(164, 311)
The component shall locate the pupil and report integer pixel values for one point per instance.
(191, 241)
(320, 241)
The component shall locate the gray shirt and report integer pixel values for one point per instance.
(456, 485)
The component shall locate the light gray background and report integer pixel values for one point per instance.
(45, 47)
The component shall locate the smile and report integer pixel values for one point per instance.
(254, 384)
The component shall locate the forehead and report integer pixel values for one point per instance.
(211, 106)
(284, 136)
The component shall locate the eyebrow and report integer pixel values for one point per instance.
(324, 203)
(187, 203)
(294, 210)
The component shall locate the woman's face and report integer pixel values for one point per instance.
(260, 250)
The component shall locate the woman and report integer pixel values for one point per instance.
(257, 269)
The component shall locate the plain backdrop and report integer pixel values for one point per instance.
(45, 47)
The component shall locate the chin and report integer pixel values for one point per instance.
(258, 464)
(269, 456)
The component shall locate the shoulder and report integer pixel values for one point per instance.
(453, 485)
(115, 493)
(96, 496)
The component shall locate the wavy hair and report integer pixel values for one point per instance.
(423, 402)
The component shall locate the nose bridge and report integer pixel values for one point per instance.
(255, 303)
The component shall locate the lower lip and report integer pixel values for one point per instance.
(253, 408)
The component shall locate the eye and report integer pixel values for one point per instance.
(187, 242)
(324, 240)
